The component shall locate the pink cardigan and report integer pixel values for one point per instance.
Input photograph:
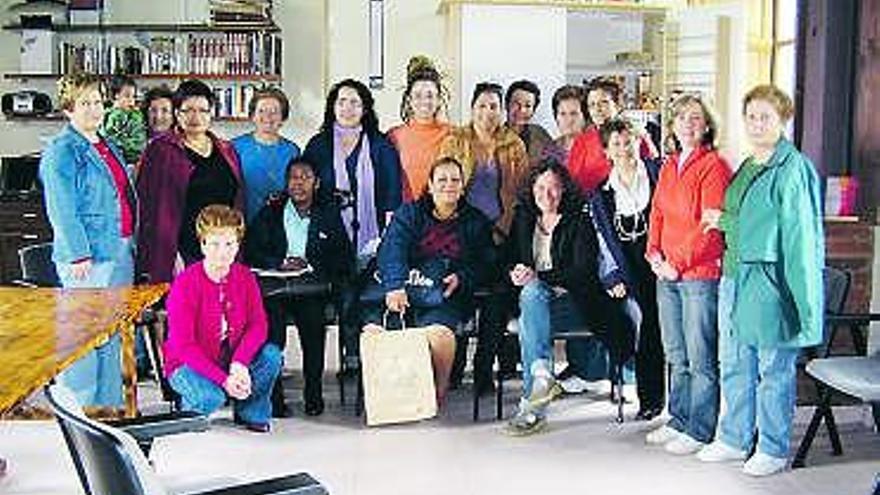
(194, 314)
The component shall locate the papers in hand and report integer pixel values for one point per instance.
(283, 273)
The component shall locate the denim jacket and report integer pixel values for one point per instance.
(81, 198)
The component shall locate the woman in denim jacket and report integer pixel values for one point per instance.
(91, 206)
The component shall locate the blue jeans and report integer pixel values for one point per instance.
(96, 378)
(758, 385)
(541, 312)
(689, 328)
(199, 394)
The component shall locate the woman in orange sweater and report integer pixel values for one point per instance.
(418, 139)
(687, 262)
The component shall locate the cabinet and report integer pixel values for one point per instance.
(234, 59)
(23, 222)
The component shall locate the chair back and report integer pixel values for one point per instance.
(837, 283)
(37, 266)
(107, 459)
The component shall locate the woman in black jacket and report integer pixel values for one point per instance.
(554, 255)
(295, 232)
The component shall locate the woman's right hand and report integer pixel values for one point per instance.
(521, 275)
(397, 301)
(711, 219)
(81, 269)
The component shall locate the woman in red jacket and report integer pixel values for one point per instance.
(687, 262)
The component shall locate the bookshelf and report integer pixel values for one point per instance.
(235, 59)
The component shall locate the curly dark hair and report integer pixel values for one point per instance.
(369, 120)
(572, 199)
(522, 85)
(611, 126)
(119, 81)
(487, 87)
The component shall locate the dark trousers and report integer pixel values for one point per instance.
(307, 313)
(496, 310)
(650, 361)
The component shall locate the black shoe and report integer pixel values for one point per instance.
(314, 407)
(648, 413)
(565, 374)
(281, 410)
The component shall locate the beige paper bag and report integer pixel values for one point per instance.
(398, 376)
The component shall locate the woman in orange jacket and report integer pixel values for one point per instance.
(687, 262)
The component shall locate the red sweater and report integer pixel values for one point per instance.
(194, 314)
(678, 204)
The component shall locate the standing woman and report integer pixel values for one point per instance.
(687, 262)
(265, 153)
(771, 299)
(588, 164)
(569, 111)
(183, 171)
(158, 110)
(626, 197)
(495, 167)
(90, 203)
(418, 139)
(358, 168)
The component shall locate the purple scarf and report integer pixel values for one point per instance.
(366, 201)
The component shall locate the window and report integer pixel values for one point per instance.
(782, 71)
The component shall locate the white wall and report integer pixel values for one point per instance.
(506, 43)
(412, 27)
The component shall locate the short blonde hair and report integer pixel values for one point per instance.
(710, 136)
(72, 86)
(214, 218)
(780, 101)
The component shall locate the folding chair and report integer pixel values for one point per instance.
(108, 460)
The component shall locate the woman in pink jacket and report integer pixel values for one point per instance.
(217, 328)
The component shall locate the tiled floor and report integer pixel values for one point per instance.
(583, 452)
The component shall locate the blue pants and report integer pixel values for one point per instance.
(541, 312)
(203, 396)
(96, 378)
(758, 385)
(689, 328)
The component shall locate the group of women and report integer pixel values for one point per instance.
(587, 229)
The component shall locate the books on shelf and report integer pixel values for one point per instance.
(220, 53)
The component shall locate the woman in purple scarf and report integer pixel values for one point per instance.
(359, 169)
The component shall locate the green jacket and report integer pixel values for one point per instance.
(779, 289)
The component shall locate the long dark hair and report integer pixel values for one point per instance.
(572, 200)
(369, 120)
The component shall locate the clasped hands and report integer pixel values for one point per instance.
(238, 383)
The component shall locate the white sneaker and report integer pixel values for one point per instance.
(574, 385)
(719, 451)
(662, 435)
(683, 445)
(762, 464)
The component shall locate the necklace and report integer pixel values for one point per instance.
(637, 229)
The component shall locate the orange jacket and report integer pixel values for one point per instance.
(678, 204)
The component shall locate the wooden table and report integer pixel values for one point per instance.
(43, 331)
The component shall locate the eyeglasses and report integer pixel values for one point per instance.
(195, 111)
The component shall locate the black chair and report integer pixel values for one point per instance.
(37, 268)
(108, 459)
(566, 335)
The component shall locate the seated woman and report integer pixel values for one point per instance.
(554, 256)
(446, 240)
(294, 232)
(216, 345)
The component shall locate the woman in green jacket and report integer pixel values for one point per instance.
(770, 298)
